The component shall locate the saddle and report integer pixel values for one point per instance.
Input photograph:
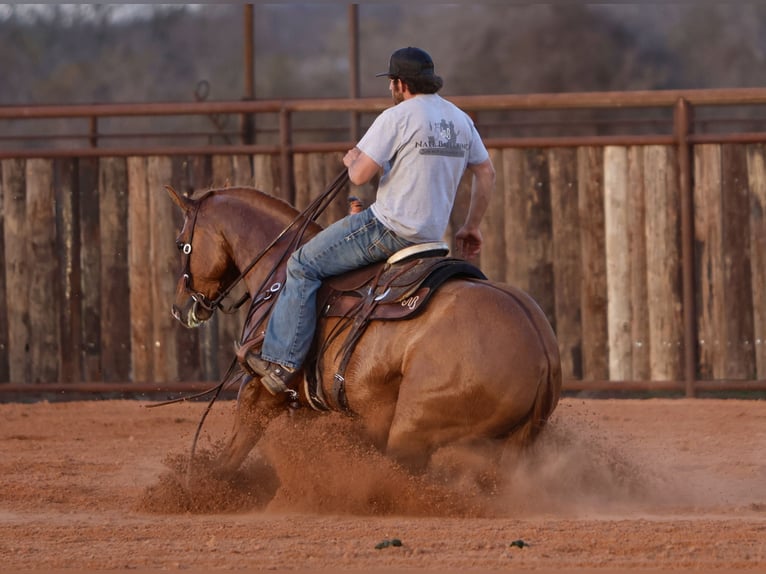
(395, 289)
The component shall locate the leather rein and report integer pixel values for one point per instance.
(311, 213)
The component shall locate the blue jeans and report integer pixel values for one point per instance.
(353, 242)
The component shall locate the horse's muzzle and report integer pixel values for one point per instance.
(192, 315)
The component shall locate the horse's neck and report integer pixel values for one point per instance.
(261, 219)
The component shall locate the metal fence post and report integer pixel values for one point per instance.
(93, 132)
(286, 155)
(354, 84)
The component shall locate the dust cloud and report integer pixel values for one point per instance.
(322, 465)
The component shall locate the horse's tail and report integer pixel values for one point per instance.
(549, 382)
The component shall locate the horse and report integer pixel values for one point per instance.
(479, 364)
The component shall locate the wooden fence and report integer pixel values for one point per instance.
(88, 262)
(644, 247)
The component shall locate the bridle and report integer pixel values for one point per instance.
(299, 224)
(200, 299)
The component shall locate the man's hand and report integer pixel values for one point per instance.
(468, 242)
(351, 156)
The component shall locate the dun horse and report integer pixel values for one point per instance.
(478, 364)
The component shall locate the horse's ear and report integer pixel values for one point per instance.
(185, 203)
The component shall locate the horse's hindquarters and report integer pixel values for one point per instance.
(469, 367)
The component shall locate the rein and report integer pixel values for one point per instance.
(311, 213)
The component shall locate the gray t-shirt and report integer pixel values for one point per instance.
(423, 145)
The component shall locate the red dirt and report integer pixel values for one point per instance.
(619, 484)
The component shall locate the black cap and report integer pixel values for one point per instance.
(409, 63)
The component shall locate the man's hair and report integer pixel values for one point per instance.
(423, 85)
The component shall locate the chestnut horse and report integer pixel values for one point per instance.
(479, 363)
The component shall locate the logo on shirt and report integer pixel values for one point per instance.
(442, 141)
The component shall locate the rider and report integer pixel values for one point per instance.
(421, 146)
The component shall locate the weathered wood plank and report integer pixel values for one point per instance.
(301, 180)
(663, 263)
(264, 177)
(738, 297)
(243, 170)
(539, 232)
(492, 256)
(590, 178)
(636, 208)
(165, 269)
(115, 315)
(514, 231)
(567, 258)
(90, 265)
(200, 174)
(709, 268)
(619, 261)
(528, 225)
(44, 286)
(756, 161)
(223, 171)
(4, 367)
(17, 270)
(68, 241)
(140, 275)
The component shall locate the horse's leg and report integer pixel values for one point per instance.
(255, 409)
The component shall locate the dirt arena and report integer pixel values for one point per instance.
(614, 485)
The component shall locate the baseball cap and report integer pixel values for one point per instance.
(409, 63)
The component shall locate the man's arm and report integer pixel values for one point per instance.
(361, 167)
(469, 237)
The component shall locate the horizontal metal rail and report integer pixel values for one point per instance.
(285, 108)
(241, 149)
(560, 101)
(642, 386)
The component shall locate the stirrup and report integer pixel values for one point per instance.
(273, 376)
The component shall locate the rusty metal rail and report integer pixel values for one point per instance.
(285, 109)
(560, 101)
(570, 386)
(476, 103)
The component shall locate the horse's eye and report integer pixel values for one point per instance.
(180, 245)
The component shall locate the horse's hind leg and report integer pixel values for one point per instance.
(251, 419)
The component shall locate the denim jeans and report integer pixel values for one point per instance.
(353, 242)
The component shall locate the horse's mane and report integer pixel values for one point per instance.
(251, 196)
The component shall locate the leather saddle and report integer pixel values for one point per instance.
(395, 289)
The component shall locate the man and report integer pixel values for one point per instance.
(421, 146)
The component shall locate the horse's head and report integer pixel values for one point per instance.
(207, 266)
